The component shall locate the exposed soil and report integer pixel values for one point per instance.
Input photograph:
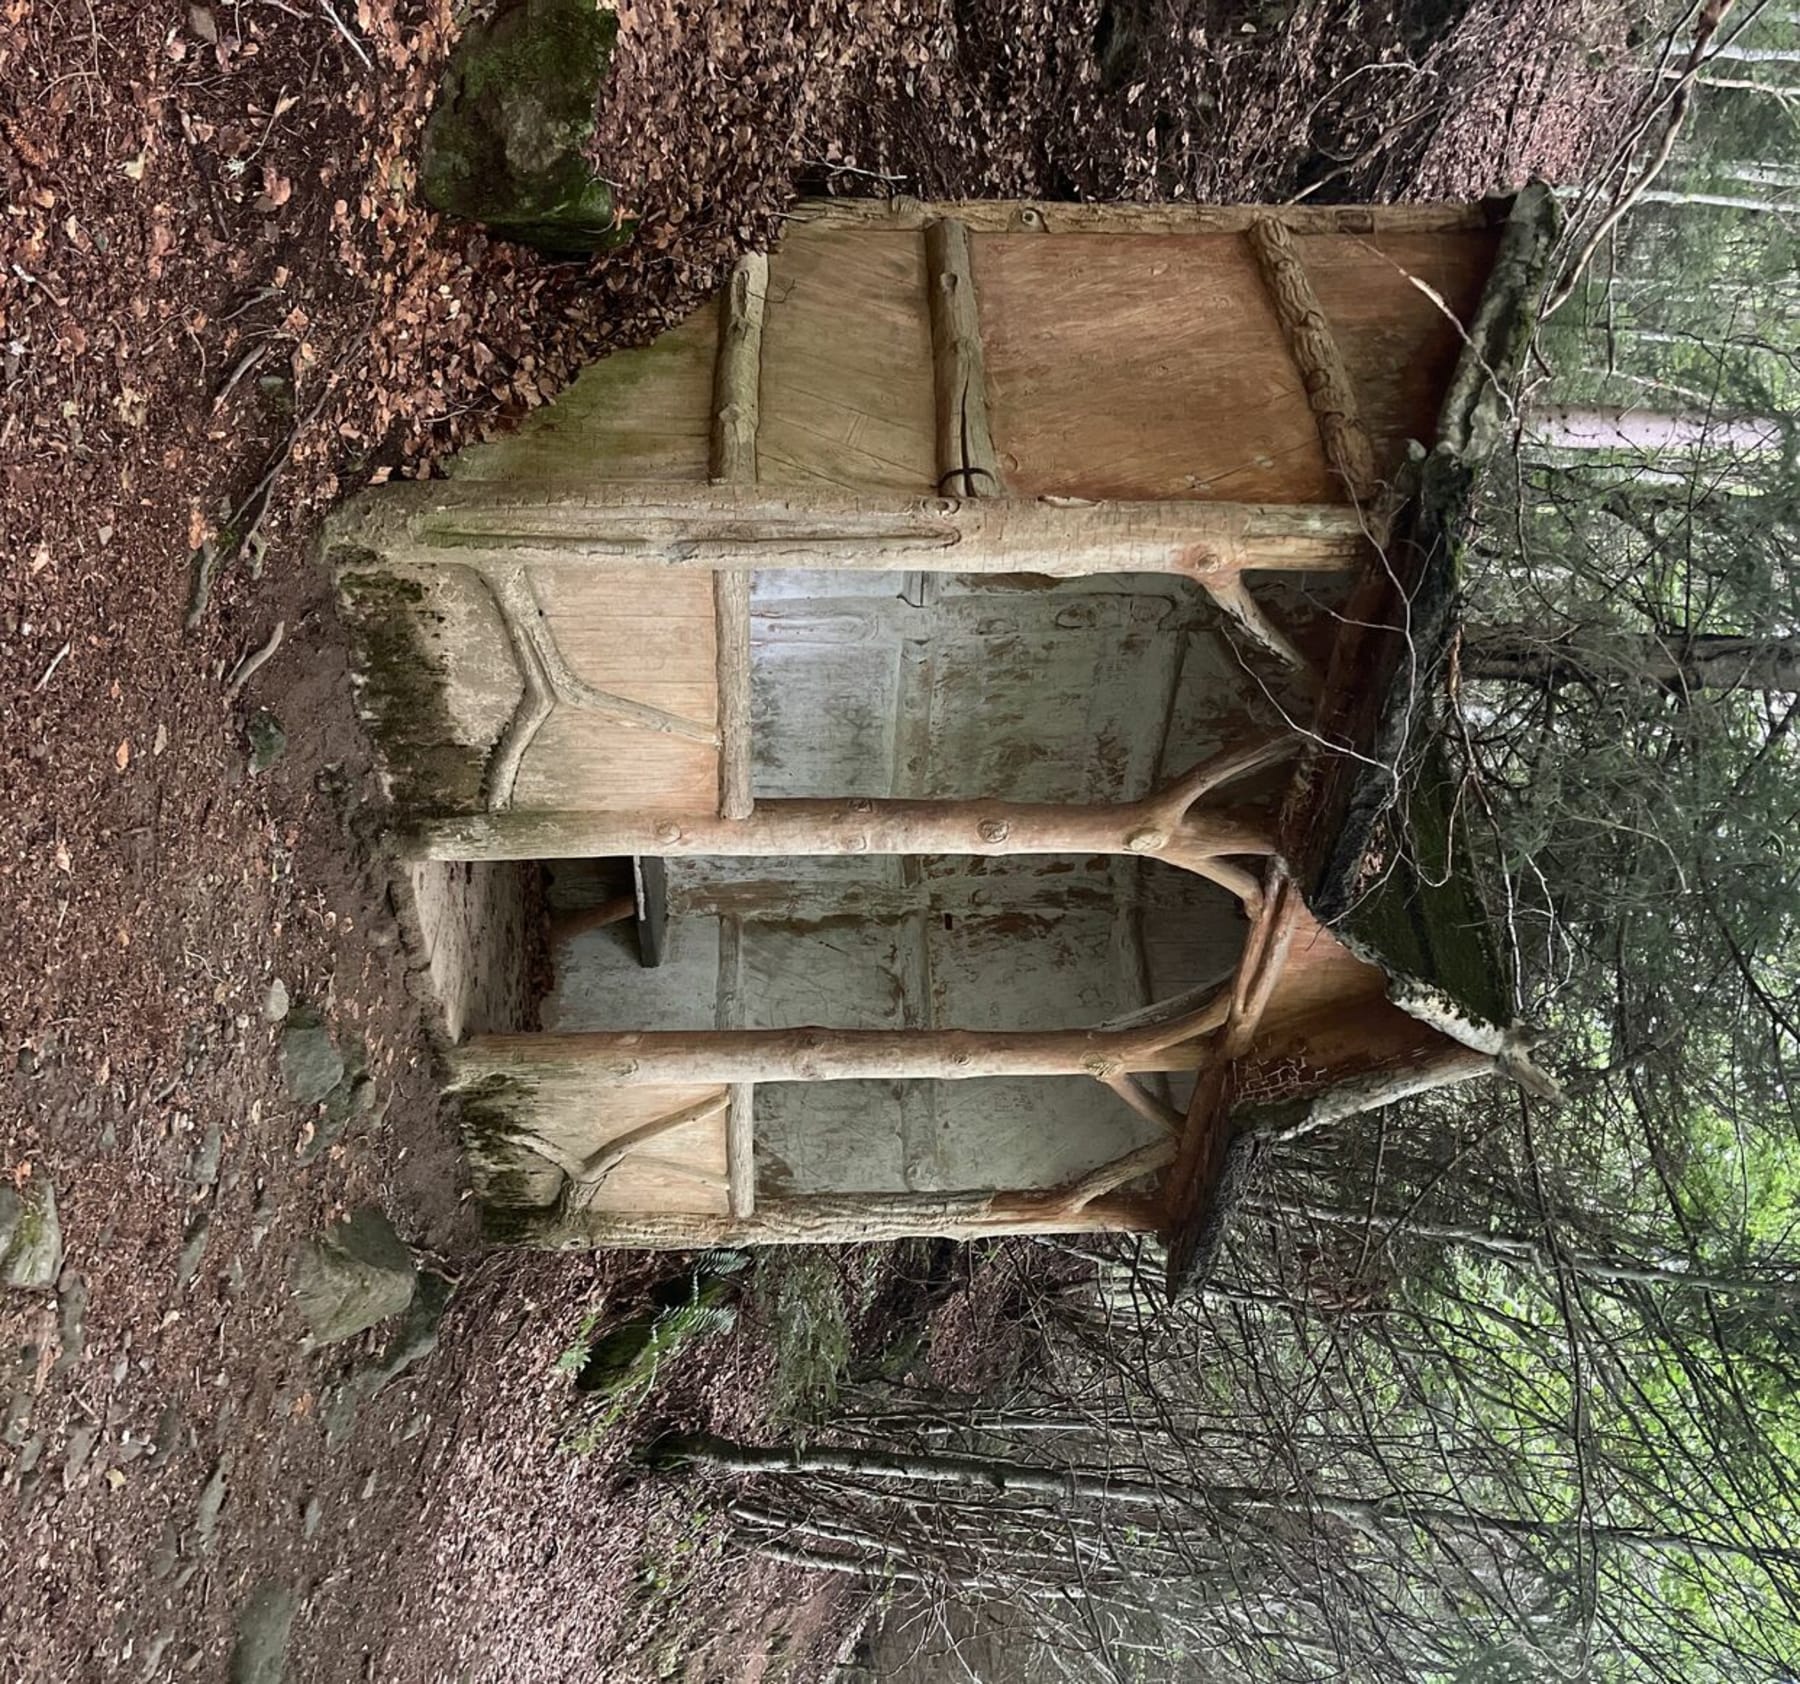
(218, 285)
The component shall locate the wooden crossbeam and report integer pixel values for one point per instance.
(638, 526)
(968, 464)
(737, 383)
(596, 1059)
(827, 1219)
(1168, 825)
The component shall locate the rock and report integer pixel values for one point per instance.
(506, 143)
(207, 1510)
(311, 1064)
(205, 1170)
(352, 1276)
(310, 1517)
(260, 1654)
(71, 1320)
(31, 1257)
(268, 742)
(75, 1459)
(413, 1341)
(193, 1248)
(275, 1002)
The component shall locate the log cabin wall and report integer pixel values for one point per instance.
(1266, 368)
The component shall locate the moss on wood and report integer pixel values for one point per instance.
(403, 689)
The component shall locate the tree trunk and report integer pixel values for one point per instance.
(1184, 1498)
(1652, 432)
(1709, 661)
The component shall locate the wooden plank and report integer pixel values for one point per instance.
(826, 1219)
(1315, 352)
(1001, 216)
(846, 368)
(1143, 367)
(967, 463)
(652, 906)
(731, 637)
(644, 528)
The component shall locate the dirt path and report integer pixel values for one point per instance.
(214, 268)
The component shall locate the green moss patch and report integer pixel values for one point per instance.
(507, 142)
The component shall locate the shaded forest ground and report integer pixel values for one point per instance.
(222, 308)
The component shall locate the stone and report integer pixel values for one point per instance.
(31, 1257)
(275, 1002)
(193, 1249)
(260, 1653)
(507, 141)
(311, 1064)
(268, 742)
(352, 1276)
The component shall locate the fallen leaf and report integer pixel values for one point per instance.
(162, 741)
(122, 754)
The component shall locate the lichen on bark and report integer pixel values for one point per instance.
(507, 142)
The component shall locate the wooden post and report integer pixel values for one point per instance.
(826, 1219)
(737, 379)
(968, 465)
(740, 1150)
(651, 525)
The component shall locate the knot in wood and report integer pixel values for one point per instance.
(861, 804)
(961, 1060)
(1147, 841)
(857, 843)
(668, 832)
(1103, 1068)
(994, 830)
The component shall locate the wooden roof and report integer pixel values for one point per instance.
(1370, 826)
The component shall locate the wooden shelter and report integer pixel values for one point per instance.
(994, 640)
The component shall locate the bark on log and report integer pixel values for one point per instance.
(1314, 349)
(632, 525)
(968, 465)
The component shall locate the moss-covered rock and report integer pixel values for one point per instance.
(506, 144)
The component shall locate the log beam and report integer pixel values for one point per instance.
(583, 1064)
(1167, 825)
(968, 465)
(740, 1151)
(638, 526)
(826, 1219)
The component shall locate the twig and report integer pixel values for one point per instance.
(56, 661)
(350, 40)
(253, 663)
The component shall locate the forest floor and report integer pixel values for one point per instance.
(222, 308)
